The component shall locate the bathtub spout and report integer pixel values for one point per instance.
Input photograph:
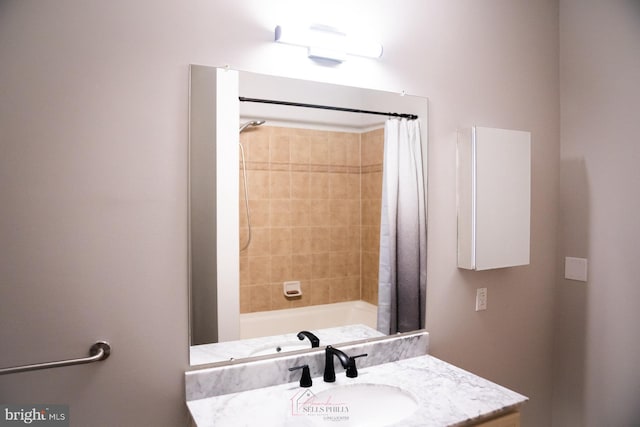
(315, 341)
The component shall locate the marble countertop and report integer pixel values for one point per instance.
(231, 350)
(446, 396)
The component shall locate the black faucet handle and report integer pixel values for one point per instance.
(305, 379)
(352, 370)
(315, 341)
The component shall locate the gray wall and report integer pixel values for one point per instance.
(597, 347)
(93, 173)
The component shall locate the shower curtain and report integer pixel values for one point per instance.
(402, 276)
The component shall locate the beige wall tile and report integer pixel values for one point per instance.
(257, 166)
(260, 244)
(365, 185)
(242, 240)
(320, 266)
(281, 268)
(372, 147)
(242, 214)
(244, 271)
(319, 213)
(337, 150)
(353, 263)
(354, 237)
(353, 186)
(301, 267)
(372, 185)
(245, 300)
(278, 300)
(260, 212)
(279, 149)
(369, 263)
(338, 213)
(376, 212)
(376, 185)
(280, 241)
(300, 185)
(338, 289)
(353, 212)
(338, 264)
(299, 167)
(318, 185)
(320, 239)
(371, 212)
(370, 241)
(259, 184)
(320, 291)
(311, 225)
(260, 297)
(259, 270)
(321, 168)
(257, 146)
(300, 213)
(370, 291)
(279, 130)
(353, 150)
(280, 186)
(339, 239)
(352, 288)
(319, 149)
(338, 186)
(300, 147)
(280, 213)
(279, 167)
(301, 240)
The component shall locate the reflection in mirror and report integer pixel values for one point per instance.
(301, 212)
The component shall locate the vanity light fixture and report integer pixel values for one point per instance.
(327, 43)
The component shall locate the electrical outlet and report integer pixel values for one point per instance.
(481, 299)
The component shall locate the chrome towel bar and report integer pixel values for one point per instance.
(98, 351)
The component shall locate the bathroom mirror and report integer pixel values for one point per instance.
(284, 208)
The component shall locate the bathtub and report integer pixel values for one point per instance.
(276, 322)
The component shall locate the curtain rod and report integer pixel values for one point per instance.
(327, 107)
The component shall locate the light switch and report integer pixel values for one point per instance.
(575, 269)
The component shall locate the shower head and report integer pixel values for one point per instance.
(253, 123)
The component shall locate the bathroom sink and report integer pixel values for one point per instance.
(277, 348)
(367, 404)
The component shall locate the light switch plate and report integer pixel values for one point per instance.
(575, 269)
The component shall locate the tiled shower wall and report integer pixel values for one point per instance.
(372, 153)
(314, 199)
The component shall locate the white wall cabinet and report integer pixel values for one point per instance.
(494, 198)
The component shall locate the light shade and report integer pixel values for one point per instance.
(327, 42)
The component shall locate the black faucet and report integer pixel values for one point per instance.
(305, 379)
(315, 341)
(348, 363)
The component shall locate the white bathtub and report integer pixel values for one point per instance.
(278, 322)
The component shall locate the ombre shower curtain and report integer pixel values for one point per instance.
(402, 276)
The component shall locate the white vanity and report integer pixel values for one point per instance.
(398, 384)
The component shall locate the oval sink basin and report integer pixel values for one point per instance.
(278, 348)
(370, 405)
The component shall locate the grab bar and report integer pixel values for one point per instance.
(98, 351)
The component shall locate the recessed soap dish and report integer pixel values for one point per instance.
(291, 289)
